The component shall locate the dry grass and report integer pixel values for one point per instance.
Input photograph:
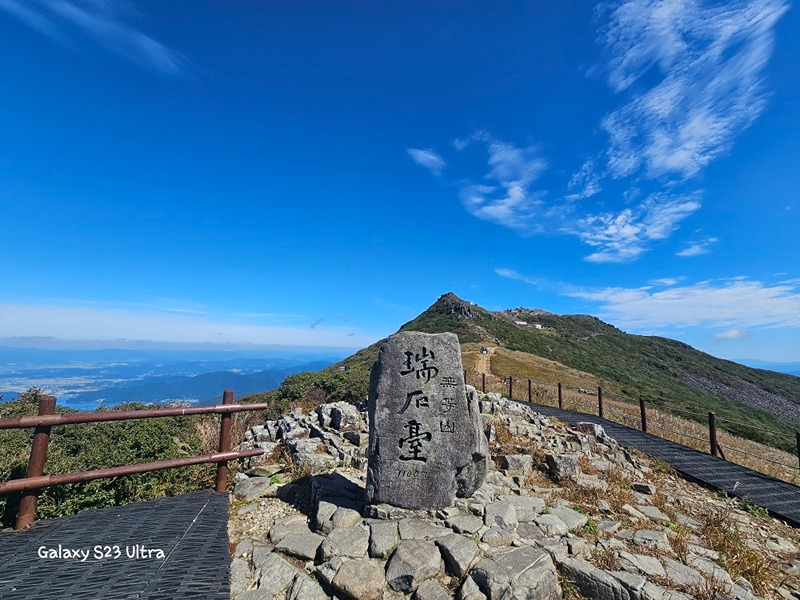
(735, 556)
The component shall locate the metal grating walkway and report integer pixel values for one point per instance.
(780, 498)
(191, 530)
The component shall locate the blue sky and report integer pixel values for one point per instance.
(246, 173)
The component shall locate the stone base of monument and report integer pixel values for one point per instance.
(512, 537)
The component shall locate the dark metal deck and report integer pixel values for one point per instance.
(780, 498)
(191, 530)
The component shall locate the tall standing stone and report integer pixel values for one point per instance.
(426, 445)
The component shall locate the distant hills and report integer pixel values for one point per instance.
(661, 370)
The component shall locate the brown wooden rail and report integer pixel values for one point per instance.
(35, 479)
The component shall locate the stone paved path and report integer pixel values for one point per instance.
(191, 530)
(780, 498)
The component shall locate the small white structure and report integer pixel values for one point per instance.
(537, 325)
(521, 322)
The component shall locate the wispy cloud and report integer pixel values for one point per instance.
(105, 22)
(623, 236)
(738, 303)
(666, 281)
(585, 183)
(504, 196)
(731, 334)
(698, 247)
(734, 303)
(428, 159)
(708, 63)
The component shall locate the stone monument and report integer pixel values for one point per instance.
(426, 444)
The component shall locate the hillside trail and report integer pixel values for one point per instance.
(484, 364)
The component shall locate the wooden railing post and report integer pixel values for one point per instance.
(41, 439)
(530, 397)
(560, 400)
(797, 442)
(712, 433)
(224, 443)
(643, 413)
(600, 402)
(483, 382)
(510, 387)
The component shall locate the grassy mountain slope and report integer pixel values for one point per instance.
(661, 370)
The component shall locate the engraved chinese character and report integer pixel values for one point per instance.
(449, 382)
(418, 364)
(448, 404)
(415, 440)
(418, 398)
(447, 426)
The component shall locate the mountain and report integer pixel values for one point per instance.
(790, 368)
(660, 370)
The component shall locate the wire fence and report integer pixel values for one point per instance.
(690, 430)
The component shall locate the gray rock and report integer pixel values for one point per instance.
(652, 539)
(680, 574)
(417, 529)
(640, 563)
(303, 546)
(241, 576)
(563, 467)
(632, 583)
(469, 590)
(327, 571)
(458, 553)
(345, 517)
(652, 512)
(383, 539)
(517, 464)
(253, 488)
(348, 542)
(644, 488)
(305, 588)
(359, 580)
(526, 507)
(529, 531)
(280, 530)
(275, 574)
(572, 518)
(465, 523)
(501, 513)
(551, 525)
(525, 572)
(412, 562)
(431, 590)
(426, 443)
(592, 582)
(497, 536)
(710, 569)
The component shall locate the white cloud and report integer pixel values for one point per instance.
(732, 303)
(93, 322)
(666, 281)
(697, 248)
(708, 63)
(428, 159)
(506, 198)
(585, 182)
(104, 22)
(623, 236)
(731, 334)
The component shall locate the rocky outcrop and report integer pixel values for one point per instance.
(586, 517)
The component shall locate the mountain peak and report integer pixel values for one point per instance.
(450, 304)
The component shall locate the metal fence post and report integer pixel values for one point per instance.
(224, 443)
(510, 387)
(560, 401)
(41, 439)
(600, 402)
(530, 397)
(643, 412)
(483, 382)
(797, 441)
(712, 432)
(465, 377)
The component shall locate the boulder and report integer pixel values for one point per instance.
(412, 562)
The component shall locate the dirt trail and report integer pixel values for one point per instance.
(484, 364)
